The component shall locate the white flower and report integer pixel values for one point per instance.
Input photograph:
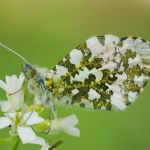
(14, 91)
(65, 124)
(16, 114)
(21, 124)
(20, 118)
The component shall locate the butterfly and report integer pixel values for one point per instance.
(103, 73)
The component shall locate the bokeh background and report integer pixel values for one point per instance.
(44, 31)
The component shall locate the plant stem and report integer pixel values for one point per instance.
(15, 147)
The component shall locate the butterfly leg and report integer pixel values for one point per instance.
(53, 108)
(52, 113)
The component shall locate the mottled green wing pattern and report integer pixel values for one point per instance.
(106, 72)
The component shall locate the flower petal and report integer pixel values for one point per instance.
(4, 122)
(26, 135)
(12, 115)
(38, 141)
(73, 131)
(16, 100)
(65, 124)
(14, 92)
(14, 83)
(55, 126)
(69, 121)
(11, 82)
(5, 106)
(21, 78)
(45, 147)
(32, 118)
(3, 86)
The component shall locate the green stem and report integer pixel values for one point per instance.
(15, 147)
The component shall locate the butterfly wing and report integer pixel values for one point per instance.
(105, 72)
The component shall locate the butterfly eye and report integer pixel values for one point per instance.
(29, 71)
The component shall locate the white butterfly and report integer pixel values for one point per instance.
(105, 72)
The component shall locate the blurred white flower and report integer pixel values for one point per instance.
(66, 125)
(21, 125)
(14, 92)
(21, 119)
(17, 115)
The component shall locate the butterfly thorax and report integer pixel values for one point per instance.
(35, 77)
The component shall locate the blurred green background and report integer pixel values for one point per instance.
(44, 31)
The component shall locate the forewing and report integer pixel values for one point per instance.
(105, 72)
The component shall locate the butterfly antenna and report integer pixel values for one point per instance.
(13, 52)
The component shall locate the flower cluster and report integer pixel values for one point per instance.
(26, 121)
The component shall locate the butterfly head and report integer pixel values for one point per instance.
(29, 71)
(33, 79)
